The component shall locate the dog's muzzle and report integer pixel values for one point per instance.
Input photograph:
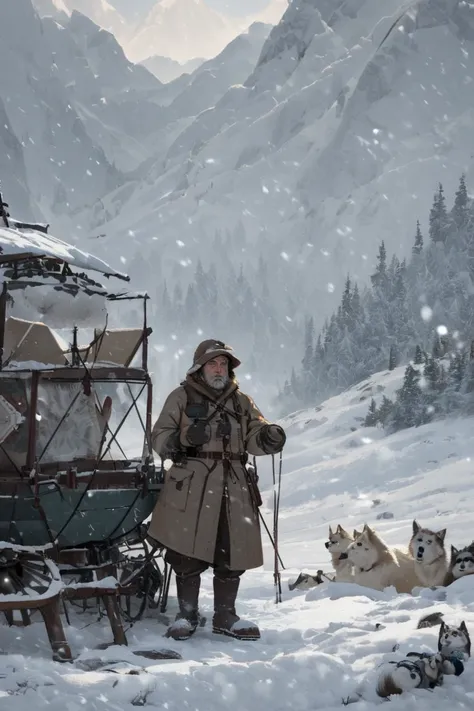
(419, 552)
(327, 544)
(343, 556)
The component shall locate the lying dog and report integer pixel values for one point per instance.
(377, 566)
(454, 643)
(462, 563)
(305, 581)
(417, 671)
(428, 551)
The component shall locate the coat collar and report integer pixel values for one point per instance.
(200, 386)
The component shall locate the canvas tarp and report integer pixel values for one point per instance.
(32, 341)
(35, 341)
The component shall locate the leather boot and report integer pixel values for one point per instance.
(188, 619)
(225, 620)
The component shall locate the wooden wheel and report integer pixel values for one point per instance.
(29, 581)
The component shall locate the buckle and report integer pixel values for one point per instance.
(226, 455)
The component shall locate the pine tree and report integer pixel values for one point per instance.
(437, 348)
(294, 385)
(356, 305)
(418, 246)
(432, 374)
(438, 217)
(457, 368)
(371, 417)
(379, 277)
(177, 308)
(308, 346)
(419, 356)
(346, 305)
(384, 413)
(460, 207)
(191, 307)
(410, 407)
(393, 359)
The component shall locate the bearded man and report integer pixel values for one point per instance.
(207, 512)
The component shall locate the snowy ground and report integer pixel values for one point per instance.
(317, 646)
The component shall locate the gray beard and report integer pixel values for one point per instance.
(216, 382)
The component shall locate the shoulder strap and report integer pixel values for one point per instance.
(191, 395)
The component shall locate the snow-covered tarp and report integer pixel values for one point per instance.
(29, 242)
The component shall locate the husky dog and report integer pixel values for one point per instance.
(339, 541)
(428, 551)
(454, 641)
(377, 566)
(417, 671)
(462, 563)
(305, 581)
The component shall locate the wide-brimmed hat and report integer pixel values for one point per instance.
(207, 350)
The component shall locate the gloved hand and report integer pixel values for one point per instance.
(198, 434)
(272, 438)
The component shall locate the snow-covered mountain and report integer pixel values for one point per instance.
(337, 139)
(272, 13)
(103, 114)
(182, 30)
(50, 148)
(316, 646)
(101, 12)
(167, 69)
(118, 101)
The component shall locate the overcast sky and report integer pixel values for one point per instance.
(238, 7)
(233, 7)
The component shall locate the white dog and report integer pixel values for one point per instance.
(338, 542)
(429, 553)
(377, 566)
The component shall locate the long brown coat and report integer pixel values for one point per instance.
(186, 515)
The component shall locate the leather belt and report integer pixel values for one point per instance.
(218, 455)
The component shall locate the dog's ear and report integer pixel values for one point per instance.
(298, 580)
(356, 533)
(454, 552)
(442, 535)
(442, 629)
(464, 629)
(416, 528)
(343, 532)
(330, 531)
(338, 529)
(369, 532)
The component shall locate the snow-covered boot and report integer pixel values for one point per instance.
(225, 621)
(187, 620)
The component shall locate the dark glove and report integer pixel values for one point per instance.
(272, 438)
(252, 473)
(198, 434)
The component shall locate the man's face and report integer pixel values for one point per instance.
(216, 372)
